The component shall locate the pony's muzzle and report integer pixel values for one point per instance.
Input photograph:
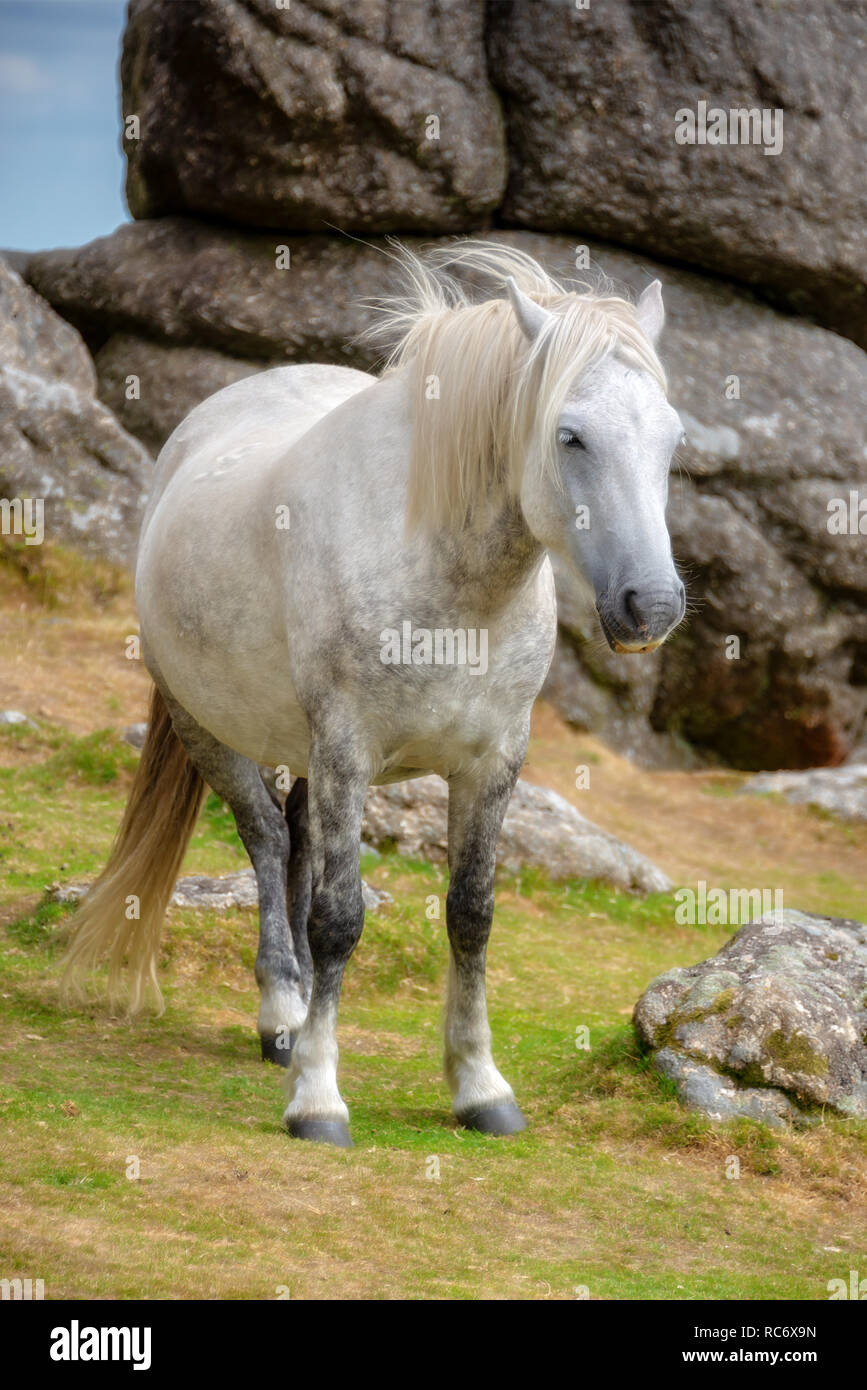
(640, 619)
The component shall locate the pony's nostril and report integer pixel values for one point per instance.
(630, 603)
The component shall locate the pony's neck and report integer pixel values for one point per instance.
(493, 556)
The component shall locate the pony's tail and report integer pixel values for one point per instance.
(123, 912)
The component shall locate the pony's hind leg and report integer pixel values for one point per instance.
(300, 880)
(265, 834)
(481, 1098)
(336, 791)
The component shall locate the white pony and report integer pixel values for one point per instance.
(302, 517)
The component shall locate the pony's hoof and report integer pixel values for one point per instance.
(501, 1119)
(334, 1132)
(277, 1049)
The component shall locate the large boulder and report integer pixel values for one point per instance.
(771, 406)
(540, 829)
(366, 117)
(59, 446)
(773, 1026)
(592, 95)
(383, 116)
(178, 280)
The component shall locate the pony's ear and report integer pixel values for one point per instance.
(651, 314)
(530, 315)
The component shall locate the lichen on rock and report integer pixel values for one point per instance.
(772, 1027)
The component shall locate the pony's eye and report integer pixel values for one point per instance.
(570, 440)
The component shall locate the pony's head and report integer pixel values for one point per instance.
(556, 399)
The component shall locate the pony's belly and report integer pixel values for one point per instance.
(279, 741)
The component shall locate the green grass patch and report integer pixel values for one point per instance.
(614, 1187)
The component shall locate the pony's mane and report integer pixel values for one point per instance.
(484, 399)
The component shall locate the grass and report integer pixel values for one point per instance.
(147, 1159)
(614, 1187)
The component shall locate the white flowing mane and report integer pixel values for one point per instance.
(484, 399)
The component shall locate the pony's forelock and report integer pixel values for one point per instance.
(484, 400)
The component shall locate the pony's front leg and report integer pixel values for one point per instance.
(481, 1098)
(337, 784)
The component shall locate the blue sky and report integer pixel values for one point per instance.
(61, 168)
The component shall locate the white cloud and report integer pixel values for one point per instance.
(23, 76)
